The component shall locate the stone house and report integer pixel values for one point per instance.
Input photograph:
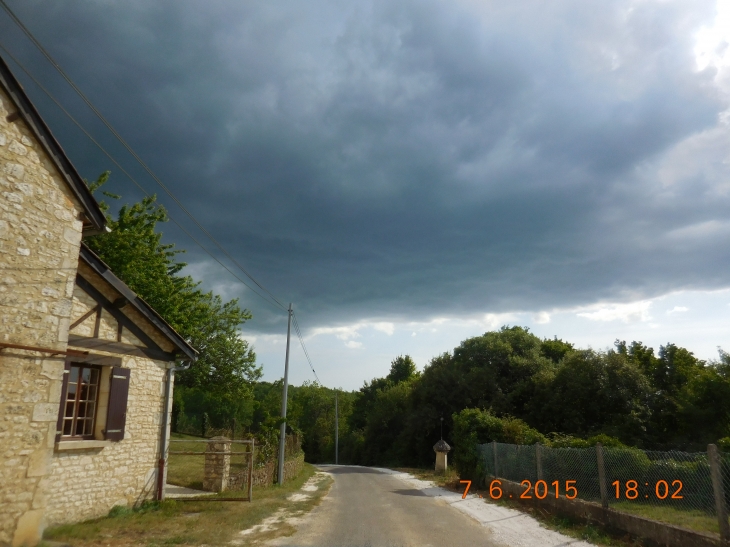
(86, 366)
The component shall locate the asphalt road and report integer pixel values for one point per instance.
(368, 508)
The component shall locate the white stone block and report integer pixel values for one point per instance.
(71, 235)
(45, 412)
(14, 170)
(17, 148)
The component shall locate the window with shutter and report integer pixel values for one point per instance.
(79, 401)
(117, 411)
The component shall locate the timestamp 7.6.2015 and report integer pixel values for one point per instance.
(541, 490)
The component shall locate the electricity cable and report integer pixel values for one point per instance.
(130, 149)
(130, 177)
(301, 341)
(142, 189)
(139, 160)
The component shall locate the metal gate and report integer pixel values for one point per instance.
(219, 473)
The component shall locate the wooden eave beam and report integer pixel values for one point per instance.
(99, 344)
(4, 345)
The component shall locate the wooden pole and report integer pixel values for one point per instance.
(716, 473)
(337, 432)
(250, 470)
(282, 433)
(494, 446)
(601, 475)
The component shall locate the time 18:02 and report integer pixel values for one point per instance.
(661, 489)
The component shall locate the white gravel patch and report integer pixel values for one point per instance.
(298, 497)
(508, 526)
(312, 485)
(284, 516)
(265, 525)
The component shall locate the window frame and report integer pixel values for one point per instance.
(95, 361)
(75, 418)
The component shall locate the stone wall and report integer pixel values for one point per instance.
(87, 483)
(293, 467)
(217, 467)
(266, 475)
(40, 233)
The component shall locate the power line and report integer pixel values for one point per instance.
(130, 150)
(139, 160)
(142, 189)
(301, 341)
(130, 177)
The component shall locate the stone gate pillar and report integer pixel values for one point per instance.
(217, 466)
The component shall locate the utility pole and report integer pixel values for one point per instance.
(337, 431)
(282, 439)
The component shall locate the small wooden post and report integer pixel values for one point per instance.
(716, 473)
(538, 459)
(601, 475)
(494, 446)
(250, 469)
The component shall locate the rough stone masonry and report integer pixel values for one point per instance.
(40, 233)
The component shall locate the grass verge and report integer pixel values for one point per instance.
(693, 520)
(181, 523)
(188, 471)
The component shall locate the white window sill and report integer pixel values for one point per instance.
(81, 445)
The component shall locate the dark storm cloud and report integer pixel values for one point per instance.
(412, 158)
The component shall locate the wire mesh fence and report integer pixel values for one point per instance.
(674, 487)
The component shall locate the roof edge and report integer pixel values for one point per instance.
(97, 264)
(35, 122)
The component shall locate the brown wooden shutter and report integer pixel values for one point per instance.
(62, 404)
(117, 412)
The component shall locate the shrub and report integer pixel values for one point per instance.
(724, 444)
(473, 426)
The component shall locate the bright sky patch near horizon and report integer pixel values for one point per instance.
(411, 174)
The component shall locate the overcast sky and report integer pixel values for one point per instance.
(413, 173)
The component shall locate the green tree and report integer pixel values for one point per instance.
(555, 349)
(594, 392)
(312, 412)
(384, 440)
(136, 254)
(402, 368)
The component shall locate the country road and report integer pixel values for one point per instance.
(369, 507)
